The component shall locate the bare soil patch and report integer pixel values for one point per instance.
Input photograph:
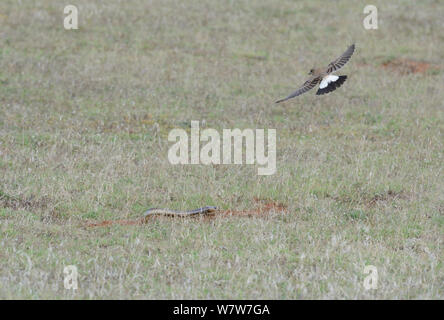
(405, 66)
(262, 208)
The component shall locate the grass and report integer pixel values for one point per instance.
(84, 120)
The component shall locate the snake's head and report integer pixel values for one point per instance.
(210, 209)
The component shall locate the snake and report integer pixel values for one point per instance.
(178, 213)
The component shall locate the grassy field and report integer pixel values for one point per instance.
(84, 122)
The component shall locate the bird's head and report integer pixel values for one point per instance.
(311, 72)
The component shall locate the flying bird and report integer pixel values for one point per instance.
(328, 81)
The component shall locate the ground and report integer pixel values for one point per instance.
(84, 122)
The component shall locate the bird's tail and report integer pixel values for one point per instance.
(332, 85)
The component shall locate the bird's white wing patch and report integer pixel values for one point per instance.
(327, 80)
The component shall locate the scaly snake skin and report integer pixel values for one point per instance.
(174, 213)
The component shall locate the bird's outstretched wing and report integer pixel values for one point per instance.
(309, 84)
(342, 60)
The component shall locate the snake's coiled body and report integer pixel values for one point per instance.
(174, 213)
